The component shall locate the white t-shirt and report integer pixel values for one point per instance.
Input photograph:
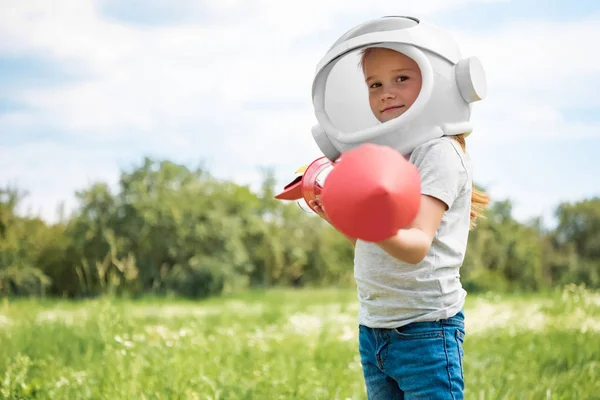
(393, 293)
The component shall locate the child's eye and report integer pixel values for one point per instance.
(402, 78)
(374, 85)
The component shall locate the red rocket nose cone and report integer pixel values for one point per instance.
(372, 192)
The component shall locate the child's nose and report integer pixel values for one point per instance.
(387, 95)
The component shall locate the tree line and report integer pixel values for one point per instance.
(171, 229)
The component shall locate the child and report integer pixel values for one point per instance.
(411, 323)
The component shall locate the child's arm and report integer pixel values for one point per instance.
(412, 244)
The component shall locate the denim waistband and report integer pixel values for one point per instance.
(457, 320)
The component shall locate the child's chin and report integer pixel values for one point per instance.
(390, 116)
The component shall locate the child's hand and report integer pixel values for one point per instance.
(317, 206)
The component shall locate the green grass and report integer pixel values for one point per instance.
(280, 344)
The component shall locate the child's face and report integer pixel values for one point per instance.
(393, 80)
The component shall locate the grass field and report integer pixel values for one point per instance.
(280, 344)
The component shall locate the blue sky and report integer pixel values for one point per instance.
(88, 88)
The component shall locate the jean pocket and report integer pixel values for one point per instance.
(410, 334)
(460, 339)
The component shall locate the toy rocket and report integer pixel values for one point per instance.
(369, 193)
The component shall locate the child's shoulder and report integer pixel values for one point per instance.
(441, 144)
(444, 150)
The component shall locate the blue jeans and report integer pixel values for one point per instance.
(422, 360)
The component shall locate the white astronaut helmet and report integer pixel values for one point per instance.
(450, 84)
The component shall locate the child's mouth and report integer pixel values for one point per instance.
(392, 108)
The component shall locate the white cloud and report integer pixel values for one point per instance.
(538, 52)
(538, 72)
(143, 76)
(179, 89)
(50, 173)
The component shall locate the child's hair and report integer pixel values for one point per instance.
(363, 54)
(479, 199)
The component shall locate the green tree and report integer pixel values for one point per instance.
(576, 243)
